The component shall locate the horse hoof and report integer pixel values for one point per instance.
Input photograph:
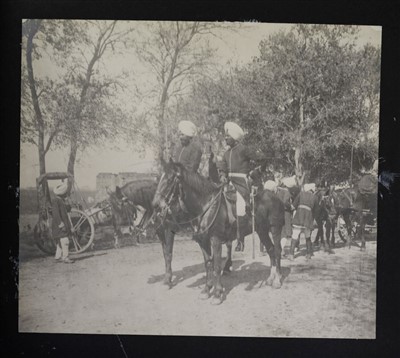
(204, 296)
(270, 280)
(277, 283)
(216, 300)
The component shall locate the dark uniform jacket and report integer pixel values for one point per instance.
(189, 156)
(236, 160)
(61, 226)
(305, 204)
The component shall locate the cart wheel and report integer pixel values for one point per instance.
(83, 235)
(43, 239)
(342, 231)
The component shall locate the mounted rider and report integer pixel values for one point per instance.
(188, 152)
(236, 166)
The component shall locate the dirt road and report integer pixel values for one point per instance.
(120, 291)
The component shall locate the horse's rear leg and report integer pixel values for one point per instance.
(276, 237)
(167, 241)
(328, 230)
(228, 263)
(217, 270)
(206, 250)
(117, 236)
(272, 250)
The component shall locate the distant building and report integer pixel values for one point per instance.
(106, 180)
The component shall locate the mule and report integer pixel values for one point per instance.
(202, 201)
(325, 216)
(124, 206)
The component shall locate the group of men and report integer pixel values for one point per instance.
(236, 168)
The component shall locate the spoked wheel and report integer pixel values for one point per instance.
(83, 231)
(43, 239)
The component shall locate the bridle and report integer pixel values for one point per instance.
(168, 198)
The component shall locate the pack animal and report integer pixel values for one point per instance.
(124, 205)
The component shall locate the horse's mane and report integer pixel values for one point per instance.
(196, 181)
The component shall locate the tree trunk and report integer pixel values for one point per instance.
(71, 161)
(33, 29)
(298, 149)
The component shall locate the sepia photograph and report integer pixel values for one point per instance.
(189, 178)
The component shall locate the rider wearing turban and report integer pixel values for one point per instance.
(236, 165)
(188, 152)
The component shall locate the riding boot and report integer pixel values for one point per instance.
(292, 246)
(309, 248)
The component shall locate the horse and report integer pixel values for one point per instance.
(341, 207)
(124, 206)
(186, 192)
(325, 213)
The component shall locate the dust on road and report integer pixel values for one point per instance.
(120, 291)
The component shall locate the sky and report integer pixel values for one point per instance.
(235, 48)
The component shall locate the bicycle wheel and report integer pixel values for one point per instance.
(43, 239)
(83, 235)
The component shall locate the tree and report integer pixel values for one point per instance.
(177, 53)
(304, 101)
(78, 104)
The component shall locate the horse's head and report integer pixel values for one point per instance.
(168, 184)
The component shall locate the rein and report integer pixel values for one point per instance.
(170, 196)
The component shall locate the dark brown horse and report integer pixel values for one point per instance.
(181, 191)
(124, 204)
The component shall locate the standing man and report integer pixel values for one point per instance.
(303, 221)
(188, 152)
(61, 225)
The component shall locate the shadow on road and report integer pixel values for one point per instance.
(253, 274)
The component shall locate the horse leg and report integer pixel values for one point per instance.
(328, 230)
(333, 222)
(320, 234)
(275, 232)
(362, 231)
(117, 236)
(206, 250)
(167, 241)
(217, 263)
(228, 263)
(349, 229)
(239, 233)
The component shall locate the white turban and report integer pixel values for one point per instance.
(187, 128)
(233, 130)
(309, 187)
(61, 189)
(289, 182)
(270, 185)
